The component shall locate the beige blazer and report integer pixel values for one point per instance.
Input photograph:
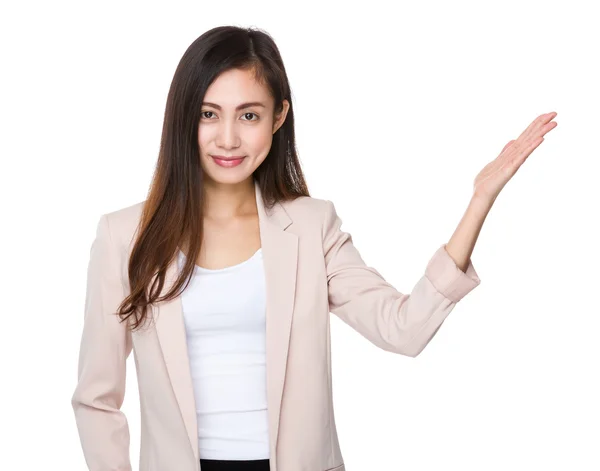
(311, 268)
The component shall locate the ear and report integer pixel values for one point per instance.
(280, 118)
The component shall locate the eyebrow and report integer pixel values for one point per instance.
(240, 107)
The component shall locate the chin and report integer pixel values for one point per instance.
(228, 176)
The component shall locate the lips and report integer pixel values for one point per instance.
(227, 162)
(222, 157)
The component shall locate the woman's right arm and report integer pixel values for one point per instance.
(105, 346)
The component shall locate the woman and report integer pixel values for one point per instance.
(222, 280)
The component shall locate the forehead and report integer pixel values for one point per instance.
(236, 86)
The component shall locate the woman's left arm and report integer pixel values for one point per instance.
(461, 244)
(488, 184)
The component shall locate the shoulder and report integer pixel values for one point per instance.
(308, 210)
(306, 204)
(123, 222)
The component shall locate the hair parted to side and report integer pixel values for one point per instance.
(172, 213)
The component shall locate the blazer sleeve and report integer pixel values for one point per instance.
(363, 299)
(105, 346)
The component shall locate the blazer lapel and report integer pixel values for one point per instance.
(280, 258)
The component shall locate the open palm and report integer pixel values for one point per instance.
(490, 181)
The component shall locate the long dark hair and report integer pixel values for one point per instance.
(172, 213)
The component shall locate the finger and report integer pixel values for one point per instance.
(526, 151)
(544, 127)
(548, 127)
(528, 130)
(543, 120)
(538, 127)
(537, 123)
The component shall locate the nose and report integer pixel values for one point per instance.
(228, 136)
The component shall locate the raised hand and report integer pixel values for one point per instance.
(490, 181)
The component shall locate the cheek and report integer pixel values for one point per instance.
(262, 141)
(203, 136)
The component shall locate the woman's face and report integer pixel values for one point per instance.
(228, 131)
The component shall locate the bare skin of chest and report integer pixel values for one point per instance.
(228, 243)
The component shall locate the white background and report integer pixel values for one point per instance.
(398, 106)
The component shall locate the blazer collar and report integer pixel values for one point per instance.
(280, 259)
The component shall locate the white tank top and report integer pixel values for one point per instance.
(224, 313)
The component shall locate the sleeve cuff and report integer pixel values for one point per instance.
(448, 278)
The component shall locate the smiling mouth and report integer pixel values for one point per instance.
(229, 162)
(220, 157)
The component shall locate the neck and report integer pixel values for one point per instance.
(228, 201)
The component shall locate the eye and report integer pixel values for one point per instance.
(203, 115)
